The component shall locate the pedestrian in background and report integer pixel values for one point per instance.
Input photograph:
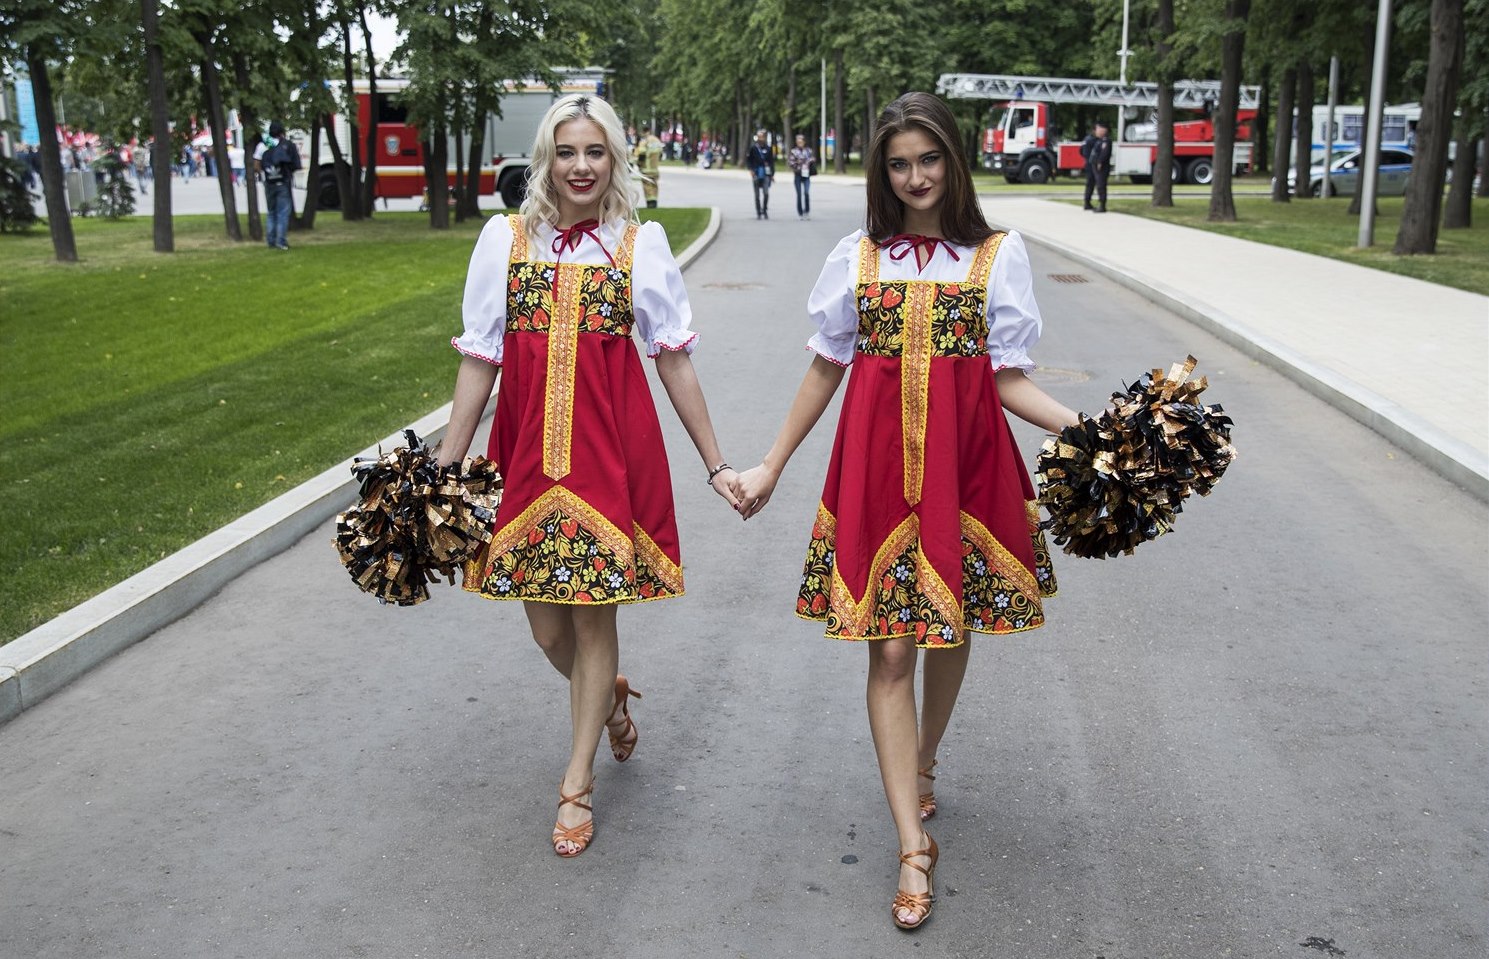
(647, 154)
(276, 159)
(142, 167)
(927, 530)
(803, 162)
(761, 161)
(1097, 149)
(586, 521)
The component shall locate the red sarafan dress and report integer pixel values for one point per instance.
(586, 515)
(927, 525)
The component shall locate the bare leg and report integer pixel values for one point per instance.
(941, 681)
(581, 643)
(591, 696)
(553, 631)
(891, 702)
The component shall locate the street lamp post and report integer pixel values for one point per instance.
(1372, 126)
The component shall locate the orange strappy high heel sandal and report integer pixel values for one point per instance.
(928, 800)
(918, 904)
(622, 744)
(580, 835)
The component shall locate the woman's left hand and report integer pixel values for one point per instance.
(723, 484)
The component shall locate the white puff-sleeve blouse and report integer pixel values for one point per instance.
(1013, 316)
(659, 299)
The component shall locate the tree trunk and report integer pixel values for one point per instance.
(1232, 46)
(459, 171)
(346, 185)
(1280, 164)
(52, 182)
(351, 184)
(870, 116)
(1457, 213)
(471, 197)
(839, 90)
(1484, 156)
(1304, 160)
(216, 117)
(369, 182)
(789, 119)
(1419, 216)
(1261, 159)
(248, 121)
(160, 128)
(312, 184)
(436, 162)
(1163, 166)
(741, 121)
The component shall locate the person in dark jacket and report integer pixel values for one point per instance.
(276, 160)
(761, 161)
(1098, 153)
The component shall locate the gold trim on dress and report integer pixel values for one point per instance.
(868, 261)
(519, 237)
(857, 613)
(916, 349)
(650, 555)
(1019, 576)
(626, 253)
(563, 349)
(625, 548)
(982, 264)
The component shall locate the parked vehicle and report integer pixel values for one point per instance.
(1023, 142)
(400, 157)
(1344, 176)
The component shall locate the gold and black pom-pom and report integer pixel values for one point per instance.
(1118, 480)
(415, 522)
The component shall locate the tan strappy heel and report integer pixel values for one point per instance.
(928, 800)
(918, 904)
(622, 744)
(579, 836)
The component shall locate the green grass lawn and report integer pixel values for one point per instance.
(1324, 227)
(150, 399)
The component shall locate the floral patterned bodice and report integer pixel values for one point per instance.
(949, 318)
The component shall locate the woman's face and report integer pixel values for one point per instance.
(801, 141)
(917, 170)
(581, 168)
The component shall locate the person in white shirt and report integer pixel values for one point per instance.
(927, 530)
(586, 521)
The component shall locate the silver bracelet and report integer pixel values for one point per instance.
(717, 470)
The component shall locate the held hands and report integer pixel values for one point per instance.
(722, 482)
(752, 489)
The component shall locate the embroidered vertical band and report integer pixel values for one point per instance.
(982, 263)
(915, 383)
(563, 348)
(519, 237)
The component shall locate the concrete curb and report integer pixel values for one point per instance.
(38, 663)
(1451, 458)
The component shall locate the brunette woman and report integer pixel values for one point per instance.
(927, 531)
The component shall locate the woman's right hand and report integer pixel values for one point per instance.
(753, 488)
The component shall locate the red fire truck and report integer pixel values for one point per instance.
(1023, 143)
(400, 150)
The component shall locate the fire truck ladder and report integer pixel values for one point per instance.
(1188, 94)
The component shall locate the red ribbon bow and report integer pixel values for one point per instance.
(570, 238)
(903, 244)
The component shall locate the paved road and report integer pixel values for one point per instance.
(1263, 730)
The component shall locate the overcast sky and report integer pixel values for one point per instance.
(385, 35)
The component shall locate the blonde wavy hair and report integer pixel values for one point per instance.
(618, 202)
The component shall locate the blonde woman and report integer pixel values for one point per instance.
(586, 520)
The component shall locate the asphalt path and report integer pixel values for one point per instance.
(1261, 735)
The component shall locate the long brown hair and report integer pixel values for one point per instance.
(962, 221)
